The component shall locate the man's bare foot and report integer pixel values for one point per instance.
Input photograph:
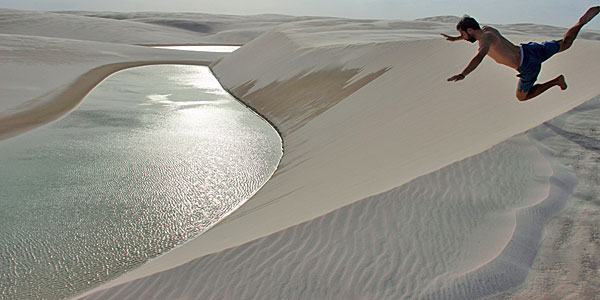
(560, 81)
(589, 15)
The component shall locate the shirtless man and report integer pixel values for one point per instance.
(526, 59)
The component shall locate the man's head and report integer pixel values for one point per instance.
(466, 26)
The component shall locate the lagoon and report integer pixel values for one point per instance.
(152, 157)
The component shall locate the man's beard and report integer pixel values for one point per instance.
(471, 38)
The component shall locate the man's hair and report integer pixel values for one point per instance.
(467, 22)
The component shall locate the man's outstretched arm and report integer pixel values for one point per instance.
(452, 38)
(484, 48)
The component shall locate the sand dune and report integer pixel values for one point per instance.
(565, 266)
(57, 25)
(368, 116)
(365, 114)
(405, 107)
(423, 240)
(141, 28)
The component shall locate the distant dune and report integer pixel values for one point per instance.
(394, 183)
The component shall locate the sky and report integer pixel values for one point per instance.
(563, 13)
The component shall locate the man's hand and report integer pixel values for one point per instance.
(457, 77)
(451, 38)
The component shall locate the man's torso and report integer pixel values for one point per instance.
(502, 50)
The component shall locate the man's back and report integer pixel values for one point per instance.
(502, 50)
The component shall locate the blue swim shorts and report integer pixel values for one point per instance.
(532, 57)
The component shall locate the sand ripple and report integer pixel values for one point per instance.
(463, 232)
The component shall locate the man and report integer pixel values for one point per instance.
(526, 59)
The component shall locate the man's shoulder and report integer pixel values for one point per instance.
(490, 33)
(489, 29)
(489, 36)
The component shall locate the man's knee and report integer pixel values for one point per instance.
(564, 45)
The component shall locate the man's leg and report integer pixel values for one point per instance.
(539, 88)
(572, 33)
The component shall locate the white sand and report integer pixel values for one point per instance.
(141, 28)
(390, 246)
(567, 263)
(363, 108)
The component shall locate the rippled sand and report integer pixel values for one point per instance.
(446, 235)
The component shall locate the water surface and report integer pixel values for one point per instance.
(152, 157)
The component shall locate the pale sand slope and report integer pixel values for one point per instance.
(336, 257)
(217, 29)
(362, 113)
(67, 26)
(141, 28)
(400, 244)
(567, 265)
